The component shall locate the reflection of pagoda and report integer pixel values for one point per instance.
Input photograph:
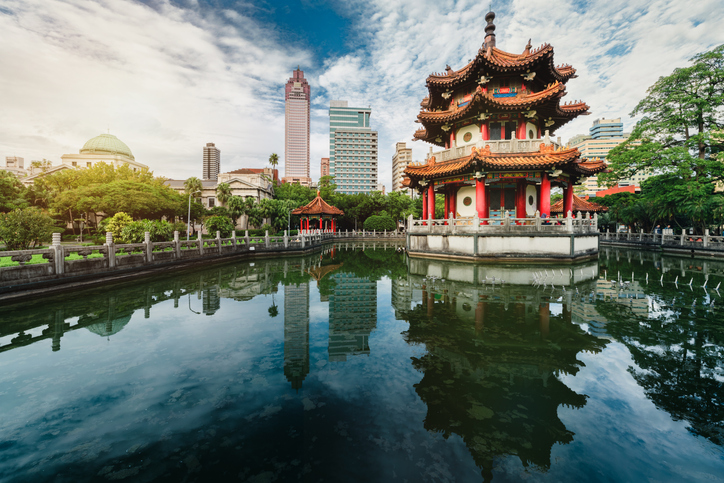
(490, 372)
(352, 316)
(296, 333)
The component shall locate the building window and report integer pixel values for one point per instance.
(88, 165)
(211, 202)
(75, 164)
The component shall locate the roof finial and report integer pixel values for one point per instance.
(489, 30)
(527, 47)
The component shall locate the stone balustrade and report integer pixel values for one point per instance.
(507, 224)
(706, 242)
(59, 263)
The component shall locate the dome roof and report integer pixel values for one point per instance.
(107, 143)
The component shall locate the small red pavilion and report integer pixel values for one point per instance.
(319, 212)
(493, 119)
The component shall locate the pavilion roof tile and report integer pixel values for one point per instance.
(318, 207)
(579, 204)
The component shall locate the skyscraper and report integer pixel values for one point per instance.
(400, 160)
(296, 129)
(296, 333)
(352, 148)
(352, 316)
(325, 167)
(212, 162)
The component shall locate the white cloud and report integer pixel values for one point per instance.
(167, 79)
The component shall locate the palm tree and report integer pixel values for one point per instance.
(192, 185)
(223, 193)
(274, 160)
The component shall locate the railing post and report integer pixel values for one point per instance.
(641, 234)
(286, 239)
(569, 222)
(595, 221)
(177, 245)
(302, 237)
(246, 238)
(681, 242)
(218, 240)
(266, 239)
(233, 239)
(200, 242)
(111, 247)
(149, 247)
(506, 221)
(706, 238)
(537, 220)
(59, 255)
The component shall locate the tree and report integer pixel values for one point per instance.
(274, 160)
(192, 185)
(674, 136)
(380, 223)
(223, 193)
(12, 192)
(116, 223)
(219, 223)
(24, 228)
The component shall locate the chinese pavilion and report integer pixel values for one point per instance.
(318, 212)
(579, 206)
(493, 118)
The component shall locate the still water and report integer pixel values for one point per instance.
(362, 365)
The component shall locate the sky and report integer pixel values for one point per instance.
(166, 77)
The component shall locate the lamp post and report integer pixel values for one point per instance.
(188, 219)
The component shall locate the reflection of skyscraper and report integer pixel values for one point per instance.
(401, 297)
(352, 316)
(212, 301)
(296, 333)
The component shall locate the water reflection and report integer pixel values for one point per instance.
(477, 366)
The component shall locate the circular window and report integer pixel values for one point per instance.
(466, 307)
(467, 137)
(467, 201)
(530, 200)
(530, 134)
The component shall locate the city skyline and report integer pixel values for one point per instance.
(224, 72)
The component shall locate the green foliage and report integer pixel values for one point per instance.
(12, 192)
(380, 223)
(192, 185)
(223, 193)
(134, 232)
(24, 228)
(115, 224)
(274, 160)
(300, 195)
(219, 223)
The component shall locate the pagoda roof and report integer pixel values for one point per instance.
(579, 204)
(545, 104)
(496, 60)
(547, 157)
(318, 207)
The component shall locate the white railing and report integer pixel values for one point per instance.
(498, 146)
(705, 241)
(506, 224)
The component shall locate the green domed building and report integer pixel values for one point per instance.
(104, 148)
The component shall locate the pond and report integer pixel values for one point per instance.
(363, 365)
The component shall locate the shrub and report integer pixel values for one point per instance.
(219, 223)
(380, 223)
(135, 231)
(115, 224)
(23, 228)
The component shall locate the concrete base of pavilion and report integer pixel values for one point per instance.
(509, 240)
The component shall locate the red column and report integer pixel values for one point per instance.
(431, 201)
(545, 196)
(447, 205)
(568, 199)
(452, 137)
(424, 204)
(481, 199)
(520, 200)
(454, 202)
(485, 130)
(521, 130)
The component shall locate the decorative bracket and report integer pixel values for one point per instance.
(484, 80)
(446, 95)
(528, 75)
(549, 122)
(446, 127)
(483, 116)
(530, 114)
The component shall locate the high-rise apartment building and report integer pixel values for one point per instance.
(212, 162)
(604, 135)
(352, 316)
(400, 160)
(325, 167)
(352, 148)
(296, 129)
(15, 165)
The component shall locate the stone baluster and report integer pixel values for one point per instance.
(536, 220)
(286, 239)
(595, 222)
(233, 239)
(246, 238)
(111, 247)
(149, 247)
(266, 239)
(177, 245)
(218, 240)
(569, 222)
(706, 238)
(58, 255)
(200, 241)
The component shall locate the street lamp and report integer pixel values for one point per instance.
(188, 219)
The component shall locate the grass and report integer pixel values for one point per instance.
(7, 261)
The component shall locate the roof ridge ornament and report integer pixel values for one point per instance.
(527, 48)
(489, 33)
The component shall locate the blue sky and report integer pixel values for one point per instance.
(169, 76)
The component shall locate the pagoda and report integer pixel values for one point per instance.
(320, 212)
(493, 120)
